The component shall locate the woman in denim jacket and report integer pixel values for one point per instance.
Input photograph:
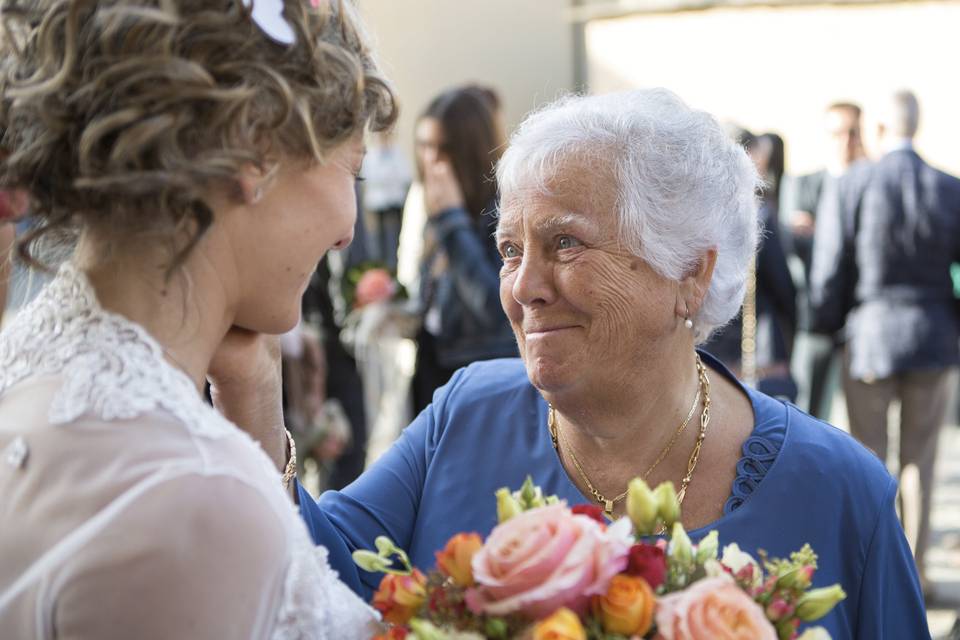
(459, 139)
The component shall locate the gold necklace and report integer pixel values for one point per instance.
(555, 431)
(556, 434)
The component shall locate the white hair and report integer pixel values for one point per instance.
(682, 186)
(900, 113)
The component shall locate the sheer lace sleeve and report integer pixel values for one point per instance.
(193, 557)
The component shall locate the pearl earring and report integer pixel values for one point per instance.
(688, 323)
(257, 194)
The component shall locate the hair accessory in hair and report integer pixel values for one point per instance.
(268, 14)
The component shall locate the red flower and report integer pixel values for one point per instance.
(649, 562)
(591, 511)
(395, 633)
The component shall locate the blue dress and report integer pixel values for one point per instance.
(800, 480)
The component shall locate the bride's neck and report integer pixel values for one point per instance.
(187, 310)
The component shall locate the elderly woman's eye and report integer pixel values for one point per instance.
(508, 250)
(567, 242)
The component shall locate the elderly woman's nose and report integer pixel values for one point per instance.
(534, 282)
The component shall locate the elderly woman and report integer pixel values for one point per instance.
(627, 226)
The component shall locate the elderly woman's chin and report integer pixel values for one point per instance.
(549, 367)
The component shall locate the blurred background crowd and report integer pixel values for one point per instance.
(810, 91)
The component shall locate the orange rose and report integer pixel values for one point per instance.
(399, 597)
(562, 625)
(454, 560)
(627, 608)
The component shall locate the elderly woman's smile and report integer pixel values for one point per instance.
(580, 304)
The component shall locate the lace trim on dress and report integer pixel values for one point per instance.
(111, 368)
(316, 604)
(760, 451)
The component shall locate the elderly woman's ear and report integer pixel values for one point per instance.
(694, 286)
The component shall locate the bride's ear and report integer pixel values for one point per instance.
(253, 181)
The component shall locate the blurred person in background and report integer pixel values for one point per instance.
(410, 251)
(459, 139)
(816, 358)
(886, 237)
(769, 154)
(762, 360)
(386, 179)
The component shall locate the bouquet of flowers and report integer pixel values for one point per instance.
(551, 572)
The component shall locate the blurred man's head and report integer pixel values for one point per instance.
(845, 143)
(898, 116)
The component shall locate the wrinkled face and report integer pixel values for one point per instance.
(304, 212)
(585, 311)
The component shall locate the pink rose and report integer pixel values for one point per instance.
(375, 285)
(712, 609)
(544, 559)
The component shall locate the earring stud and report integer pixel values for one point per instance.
(257, 194)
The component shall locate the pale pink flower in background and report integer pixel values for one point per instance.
(375, 285)
(712, 609)
(544, 559)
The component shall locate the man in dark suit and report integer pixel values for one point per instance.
(816, 357)
(881, 272)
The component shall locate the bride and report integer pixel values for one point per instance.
(202, 156)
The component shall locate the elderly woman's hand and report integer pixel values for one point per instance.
(440, 187)
(246, 385)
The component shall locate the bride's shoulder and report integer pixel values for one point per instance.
(206, 552)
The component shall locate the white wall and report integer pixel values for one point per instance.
(523, 48)
(776, 69)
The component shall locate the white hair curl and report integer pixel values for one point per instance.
(682, 186)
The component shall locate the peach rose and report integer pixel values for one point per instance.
(712, 609)
(562, 625)
(454, 561)
(399, 597)
(627, 608)
(544, 559)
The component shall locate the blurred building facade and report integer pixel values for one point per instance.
(775, 65)
(771, 65)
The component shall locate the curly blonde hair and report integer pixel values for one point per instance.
(120, 115)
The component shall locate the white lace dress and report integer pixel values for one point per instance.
(131, 509)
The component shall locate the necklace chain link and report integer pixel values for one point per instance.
(703, 389)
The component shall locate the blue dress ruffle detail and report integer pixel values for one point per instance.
(760, 451)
